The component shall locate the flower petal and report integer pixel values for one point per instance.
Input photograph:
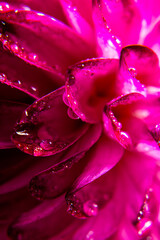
(90, 84)
(102, 157)
(34, 81)
(101, 199)
(108, 46)
(152, 37)
(77, 21)
(50, 183)
(10, 114)
(119, 128)
(121, 17)
(138, 63)
(41, 40)
(45, 128)
(49, 8)
(12, 205)
(29, 167)
(43, 221)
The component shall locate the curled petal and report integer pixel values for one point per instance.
(45, 128)
(109, 46)
(43, 221)
(10, 114)
(54, 10)
(77, 21)
(58, 45)
(138, 67)
(29, 167)
(90, 84)
(34, 81)
(21, 200)
(152, 37)
(100, 200)
(50, 183)
(115, 127)
(102, 157)
(121, 17)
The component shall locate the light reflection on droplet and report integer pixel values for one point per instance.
(90, 208)
(144, 226)
(89, 235)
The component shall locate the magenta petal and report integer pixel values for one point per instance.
(47, 220)
(149, 10)
(50, 183)
(121, 17)
(79, 6)
(18, 168)
(25, 77)
(26, 166)
(139, 63)
(21, 200)
(42, 41)
(105, 154)
(50, 8)
(77, 21)
(152, 37)
(103, 201)
(10, 114)
(108, 45)
(45, 128)
(118, 128)
(90, 84)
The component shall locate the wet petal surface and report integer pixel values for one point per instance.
(139, 63)
(43, 221)
(98, 200)
(115, 127)
(78, 21)
(29, 79)
(58, 45)
(108, 45)
(121, 17)
(90, 84)
(10, 114)
(50, 183)
(100, 159)
(45, 127)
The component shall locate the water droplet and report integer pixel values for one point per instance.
(90, 235)
(3, 78)
(147, 214)
(132, 72)
(65, 99)
(71, 114)
(144, 227)
(71, 80)
(47, 144)
(33, 57)
(90, 208)
(37, 151)
(14, 48)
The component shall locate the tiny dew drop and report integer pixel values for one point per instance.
(47, 144)
(90, 208)
(33, 57)
(144, 227)
(14, 48)
(3, 78)
(37, 151)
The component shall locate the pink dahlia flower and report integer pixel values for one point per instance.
(80, 129)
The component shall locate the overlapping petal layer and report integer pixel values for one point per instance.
(98, 137)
